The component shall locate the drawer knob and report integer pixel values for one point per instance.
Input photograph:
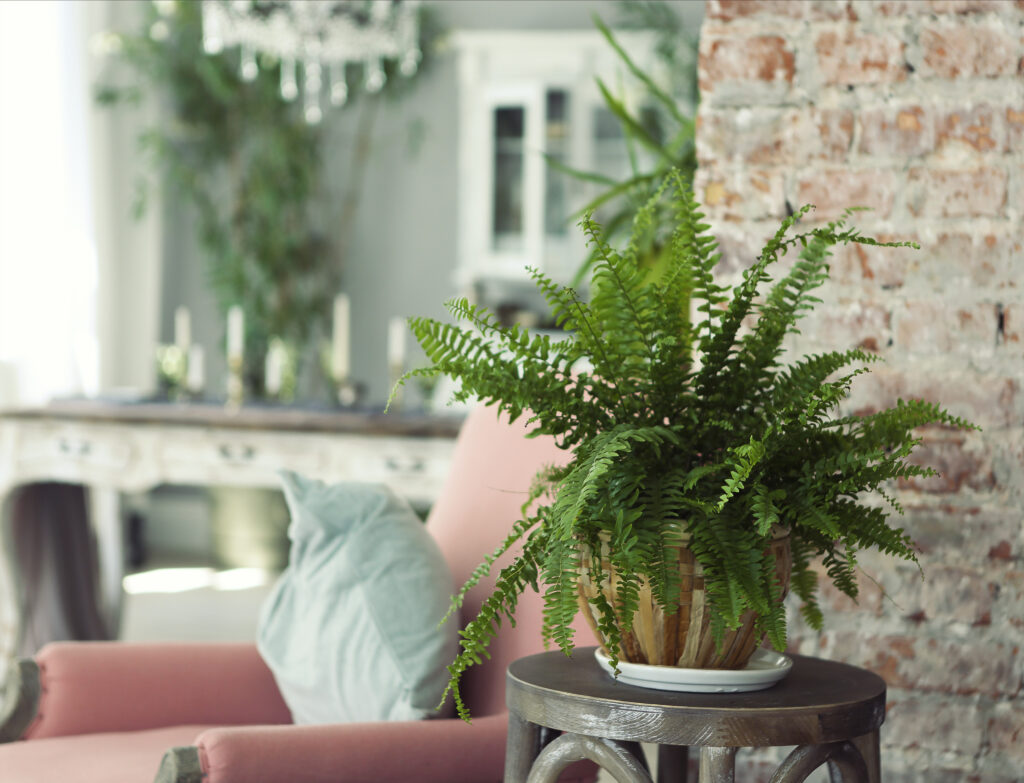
(74, 448)
(406, 465)
(236, 453)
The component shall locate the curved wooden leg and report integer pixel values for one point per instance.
(717, 765)
(870, 751)
(521, 748)
(607, 754)
(844, 761)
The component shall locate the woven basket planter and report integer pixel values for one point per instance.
(682, 639)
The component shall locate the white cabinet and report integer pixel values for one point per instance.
(521, 95)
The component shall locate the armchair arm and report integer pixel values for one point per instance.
(90, 687)
(21, 700)
(429, 751)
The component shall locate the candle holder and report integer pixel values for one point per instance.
(236, 386)
(348, 393)
(172, 371)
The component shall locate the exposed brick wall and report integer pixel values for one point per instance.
(916, 109)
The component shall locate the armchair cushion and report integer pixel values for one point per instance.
(350, 631)
(110, 687)
(115, 757)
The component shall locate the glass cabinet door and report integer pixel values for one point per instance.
(507, 196)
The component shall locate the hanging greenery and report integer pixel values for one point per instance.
(253, 171)
(659, 134)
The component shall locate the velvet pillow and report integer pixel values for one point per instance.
(350, 630)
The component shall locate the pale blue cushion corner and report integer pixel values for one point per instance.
(350, 630)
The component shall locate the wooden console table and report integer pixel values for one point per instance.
(112, 447)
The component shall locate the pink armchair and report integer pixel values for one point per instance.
(120, 713)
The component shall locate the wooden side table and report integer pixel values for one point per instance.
(830, 711)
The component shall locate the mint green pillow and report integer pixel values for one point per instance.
(350, 630)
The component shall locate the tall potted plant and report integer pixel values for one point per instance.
(694, 447)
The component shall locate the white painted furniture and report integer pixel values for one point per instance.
(112, 448)
(523, 93)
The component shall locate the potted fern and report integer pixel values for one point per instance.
(700, 461)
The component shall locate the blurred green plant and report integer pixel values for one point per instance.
(658, 134)
(253, 171)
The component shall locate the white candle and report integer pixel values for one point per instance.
(273, 369)
(236, 333)
(396, 342)
(195, 379)
(340, 339)
(182, 329)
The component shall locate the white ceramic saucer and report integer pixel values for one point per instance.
(764, 669)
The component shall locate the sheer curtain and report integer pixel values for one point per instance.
(49, 342)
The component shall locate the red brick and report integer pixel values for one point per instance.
(947, 593)
(876, 268)
(860, 59)
(741, 194)
(850, 324)
(763, 138)
(1009, 606)
(965, 6)
(730, 10)
(967, 535)
(1015, 129)
(937, 328)
(922, 7)
(1006, 730)
(983, 260)
(977, 192)
(950, 51)
(834, 132)
(896, 132)
(899, 7)
(961, 460)
(975, 128)
(831, 10)
(1013, 325)
(944, 725)
(990, 401)
(833, 190)
(755, 59)
(950, 666)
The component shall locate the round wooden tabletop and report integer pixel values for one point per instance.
(817, 702)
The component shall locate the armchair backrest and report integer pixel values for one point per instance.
(492, 468)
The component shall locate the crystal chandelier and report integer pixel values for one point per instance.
(318, 36)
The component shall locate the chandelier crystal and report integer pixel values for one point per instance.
(320, 39)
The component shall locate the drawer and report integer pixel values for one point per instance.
(65, 449)
(232, 457)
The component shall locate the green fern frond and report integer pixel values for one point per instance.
(680, 425)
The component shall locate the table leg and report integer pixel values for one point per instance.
(673, 763)
(608, 754)
(845, 764)
(105, 516)
(717, 765)
(49, 539)
(521, 748)
(868, 745)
